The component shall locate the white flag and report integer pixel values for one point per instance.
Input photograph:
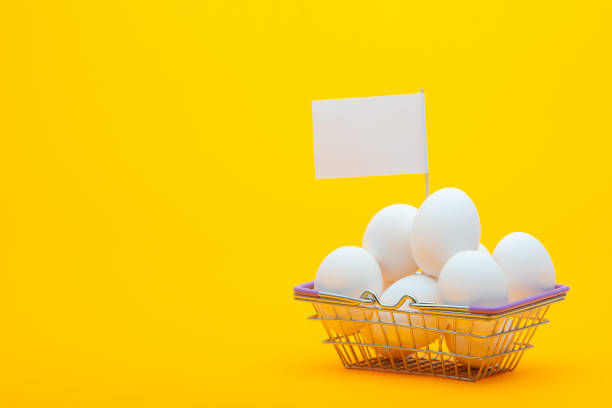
(375, 136)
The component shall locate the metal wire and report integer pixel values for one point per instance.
(427, 339)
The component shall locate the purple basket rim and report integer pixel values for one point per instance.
(556, 291)
(307, 289)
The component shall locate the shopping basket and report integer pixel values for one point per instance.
(466, 343)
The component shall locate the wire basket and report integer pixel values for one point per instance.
(465, 343)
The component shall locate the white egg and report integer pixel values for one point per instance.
(387, 237)
(446, 223)
(474, 350)
(471, 278)
(424, 289)
(483, 249)
(347, 271)
(526, 263)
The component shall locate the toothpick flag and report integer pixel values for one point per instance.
(375, 136)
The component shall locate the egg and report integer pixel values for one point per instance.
(474, 350)
(446, 223)
(387, 237)
(526, 263)
(471, 278)
(347, 271)
(483, 249)
(424, 289)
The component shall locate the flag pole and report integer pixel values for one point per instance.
(425, 136)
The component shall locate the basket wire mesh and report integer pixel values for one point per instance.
(428, 339)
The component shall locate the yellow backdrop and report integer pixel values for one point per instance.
(158, 200)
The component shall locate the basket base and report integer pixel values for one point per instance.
(447, 368)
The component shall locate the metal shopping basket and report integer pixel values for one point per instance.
(466, 343)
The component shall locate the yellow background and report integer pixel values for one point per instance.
(158, 200)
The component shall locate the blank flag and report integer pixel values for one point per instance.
(374, 136)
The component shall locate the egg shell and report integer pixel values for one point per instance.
(424, 289)
(474, 350)
(342, 327)
(347, 271)
(526, 263)
(471, 278)
(446, 223)
(387, 237)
